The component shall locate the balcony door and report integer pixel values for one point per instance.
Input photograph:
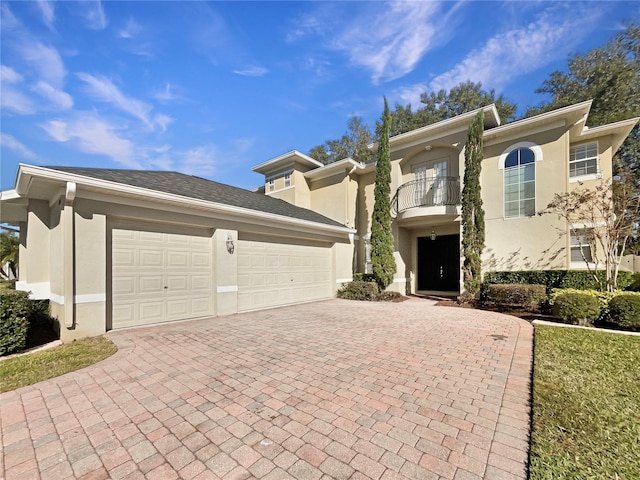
(439, 182)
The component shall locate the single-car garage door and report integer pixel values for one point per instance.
(277, 272)
(160, 274)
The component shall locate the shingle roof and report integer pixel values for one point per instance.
(195, 187)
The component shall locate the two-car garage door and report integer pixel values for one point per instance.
(163, 274)
(160, 274)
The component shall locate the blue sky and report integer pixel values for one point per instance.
(211, 89)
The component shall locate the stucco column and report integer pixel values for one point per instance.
(225, 273)
(67, 253)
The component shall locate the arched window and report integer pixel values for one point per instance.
(519, 164)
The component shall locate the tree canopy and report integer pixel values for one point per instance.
(610, 75)
(353, 144)
(442, 105)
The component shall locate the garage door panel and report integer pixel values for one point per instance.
(159, 275)
(272, 273)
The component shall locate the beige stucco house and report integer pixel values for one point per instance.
(116, 248)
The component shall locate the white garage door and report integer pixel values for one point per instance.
(272, 274)
(160, 275)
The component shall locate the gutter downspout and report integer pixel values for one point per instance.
(68, 254)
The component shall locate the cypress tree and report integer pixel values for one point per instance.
(384, 264)
(472, 211)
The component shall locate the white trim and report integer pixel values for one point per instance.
(39, 291)
(344, 280)
(279, 190)
(585, 178)
(292, 155)
(401, 280)
(91, 298)
(279, 174)
(537, 152)
(334, 168)
(582, 226)
(227, 288)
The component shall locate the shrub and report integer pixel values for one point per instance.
(528, 296)
(602, 297)
(358, 290)
(387, 296)
(15, 309)
(364, 277)
(624, 310)
(577, 308)
(577, 279)
(635, 285)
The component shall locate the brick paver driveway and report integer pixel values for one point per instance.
(331, 390)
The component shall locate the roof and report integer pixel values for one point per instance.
(285, 160)
(199, 188)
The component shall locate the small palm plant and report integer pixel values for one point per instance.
(9, 246)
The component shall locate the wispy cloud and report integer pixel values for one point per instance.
(387, 39)
(12, 98)
(167, 95)
(516, 52)
(58, 98)
(91, 134)
(93, 14)
(8, 141)
(45, 60)
(104, 90)
(48, 15)
(252, 71)
(131, 30)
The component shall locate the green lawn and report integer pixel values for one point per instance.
(28, 369)
(586, 405)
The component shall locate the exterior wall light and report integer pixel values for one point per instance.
(230, 246)
(433, 235)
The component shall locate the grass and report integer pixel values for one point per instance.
(32, 368)
(586, 405)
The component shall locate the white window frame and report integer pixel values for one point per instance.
(537, 153)
(287, 179)
(572, 160)
(271, 184)
(579, 240)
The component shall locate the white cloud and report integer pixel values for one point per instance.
(131, 30)
(58, 98)
(104, 90)
(200, 161)
(409, 95)
(388, 39)
(16, 101)
(91, 134)
(45, 60)
(519, 51)
(48, 15)
(167, 95)
(11, 143)
(163, 121)
(251, 71)
(93, 14)
(9, 75)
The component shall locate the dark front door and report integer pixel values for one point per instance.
(439, 263)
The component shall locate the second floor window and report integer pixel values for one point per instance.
(583, 160)
(272, 185)
(287, 179)
(520, 183)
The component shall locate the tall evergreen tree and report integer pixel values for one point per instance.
(384, 264)
(472, 211)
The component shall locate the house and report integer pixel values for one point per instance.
(119, 248)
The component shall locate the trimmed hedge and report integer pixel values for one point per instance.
(358, 290)
(15, 309)
(578, 279)
(519, 294)
(577, 308)
(624, 311)
(602, 297)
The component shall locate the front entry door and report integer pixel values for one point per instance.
(439, 263)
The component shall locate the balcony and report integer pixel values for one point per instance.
(437, 196)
